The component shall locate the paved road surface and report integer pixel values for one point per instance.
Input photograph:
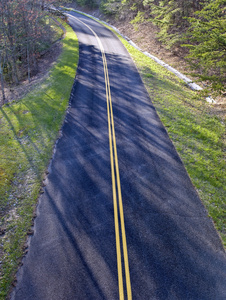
(119, 218)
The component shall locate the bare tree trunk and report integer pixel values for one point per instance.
(28, 63)
(3, 89)
(2, 85)
(11, 33)
(2, 81)
(15, 72)
(43, 5)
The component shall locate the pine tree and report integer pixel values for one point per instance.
(207, 43)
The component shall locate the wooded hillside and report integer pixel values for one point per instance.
(199, 26)
(26, 30)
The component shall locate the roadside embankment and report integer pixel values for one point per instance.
(197, 132)
(29, 128)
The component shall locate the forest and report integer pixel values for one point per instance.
(26, 30)
(31, 124)
(199, 26)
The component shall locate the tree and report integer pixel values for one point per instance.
(2, 79)
(25, 31)
(207, 43)
(198, 24)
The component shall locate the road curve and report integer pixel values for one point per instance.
(119, 218)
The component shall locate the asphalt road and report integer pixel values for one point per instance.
(119, 218)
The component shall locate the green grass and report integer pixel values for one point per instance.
(197, 134)
(28, 131)
(29, 128)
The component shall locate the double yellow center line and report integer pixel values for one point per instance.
(116, 185)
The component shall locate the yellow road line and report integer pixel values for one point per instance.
(125, 252)
(114, 166)
(117, 236)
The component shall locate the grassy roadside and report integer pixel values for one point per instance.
(28, 131)
(198, 135)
